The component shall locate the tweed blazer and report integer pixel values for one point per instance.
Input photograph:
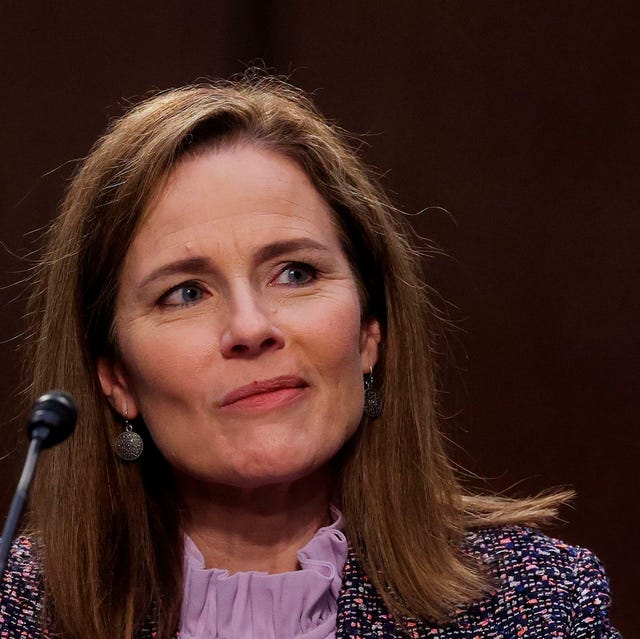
(543, 588)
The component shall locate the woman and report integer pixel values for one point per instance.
(232, 301)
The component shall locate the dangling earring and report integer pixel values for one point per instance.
(372, 401)
(129, 444)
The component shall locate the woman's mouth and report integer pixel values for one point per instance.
(270, 393)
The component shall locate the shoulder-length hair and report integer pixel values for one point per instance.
(111, 536)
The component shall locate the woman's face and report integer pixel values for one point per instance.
(238, 323)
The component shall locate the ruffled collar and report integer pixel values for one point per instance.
(296, 605)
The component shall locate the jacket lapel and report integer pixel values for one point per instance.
(361, 611)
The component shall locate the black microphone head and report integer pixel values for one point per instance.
(52, 418)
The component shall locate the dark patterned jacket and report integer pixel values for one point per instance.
(544, 588)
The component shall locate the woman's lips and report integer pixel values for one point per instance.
(265, 394)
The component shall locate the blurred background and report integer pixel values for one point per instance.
(507, 131)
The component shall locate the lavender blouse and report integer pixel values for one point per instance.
(296, 605)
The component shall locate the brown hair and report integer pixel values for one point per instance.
(110, 532)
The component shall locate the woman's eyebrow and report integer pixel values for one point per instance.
(202, 264)
(276, 249)
(195, 264)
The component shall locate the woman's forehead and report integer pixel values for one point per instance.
(239, 198)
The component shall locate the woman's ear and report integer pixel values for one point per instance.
(370, 336)
(116, 387)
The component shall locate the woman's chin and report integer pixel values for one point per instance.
(254, 473)
(272, 473)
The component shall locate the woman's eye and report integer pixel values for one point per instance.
(296, 275)
(182, 295)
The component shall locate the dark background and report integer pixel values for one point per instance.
(508, 130)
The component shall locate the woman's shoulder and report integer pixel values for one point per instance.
(531, 554)
(542, 583)
(511, 545)
(21, 591)
(540, 587)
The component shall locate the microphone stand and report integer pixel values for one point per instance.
(18, 502)
(51, 420)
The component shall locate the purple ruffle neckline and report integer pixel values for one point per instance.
(296, 605)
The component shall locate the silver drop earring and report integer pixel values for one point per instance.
(129, 444)
(372, 400)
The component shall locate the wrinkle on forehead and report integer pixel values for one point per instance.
(192, 239)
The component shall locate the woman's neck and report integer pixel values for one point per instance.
(258, 529)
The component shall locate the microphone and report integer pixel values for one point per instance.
(52, 419)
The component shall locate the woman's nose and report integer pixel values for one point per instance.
(250, 330)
